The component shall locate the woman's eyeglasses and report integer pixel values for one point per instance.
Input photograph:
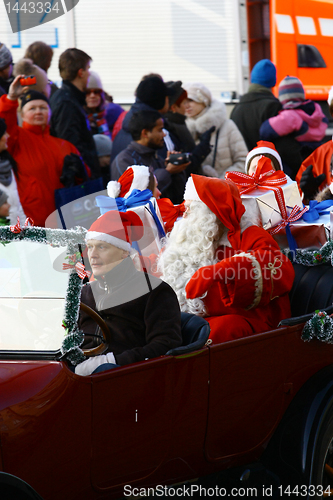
(93, 91)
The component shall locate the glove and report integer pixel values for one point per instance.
(73, 167)
(203, 279)
(309, 184)
(205, 137)
(89, 365)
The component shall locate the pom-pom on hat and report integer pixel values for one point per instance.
(26, 67)
(199, 93)
(291, 89)
(264, 73)
(134, 177)
(222, 198)
(117, 228)
(153, 91)
(3, 127)
(263, 148)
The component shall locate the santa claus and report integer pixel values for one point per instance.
(223, 267)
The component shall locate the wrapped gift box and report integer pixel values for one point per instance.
(264, 207)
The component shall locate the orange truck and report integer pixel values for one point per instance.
(297, 35)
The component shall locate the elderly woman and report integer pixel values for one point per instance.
(228, 147)
(39, 156)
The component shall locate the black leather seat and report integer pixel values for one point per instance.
(195, 333)
(312, 289)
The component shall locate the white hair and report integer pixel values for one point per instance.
(191, 244)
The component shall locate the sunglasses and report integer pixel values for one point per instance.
(93, 91)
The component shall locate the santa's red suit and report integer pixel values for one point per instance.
(247, 290)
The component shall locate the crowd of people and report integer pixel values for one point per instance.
(172, 155)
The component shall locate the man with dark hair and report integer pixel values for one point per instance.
(41, 55)
(152, 94)
(146, 128)
(69, 120)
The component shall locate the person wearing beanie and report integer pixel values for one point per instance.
(258, 105)
(103, 145)
(141, 311)
(101, 115)
(152, 94)
(8, 170)
(315, 172)
(69, 119)
(224, 268)
(147, 131)
(301, 118)
(28, 68)
(204, 114)
(263, 148)
(6, 69)
(39, 156)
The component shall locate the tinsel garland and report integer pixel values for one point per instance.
(70, 238)
(320, 326)
(312, 257)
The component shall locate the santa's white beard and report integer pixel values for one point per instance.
(191, 244)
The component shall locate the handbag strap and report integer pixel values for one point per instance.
(215, 147)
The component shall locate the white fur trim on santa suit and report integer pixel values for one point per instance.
(261, 151)
(113, 189)
(190, 193)
(108, 238)
(140, 178)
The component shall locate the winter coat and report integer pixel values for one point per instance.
(39, 158)
(254, 298)
(146, 324)
(305, 121)
(8, 185)
(231, 149)
(171, 186)
(69, 121)
(253, 109)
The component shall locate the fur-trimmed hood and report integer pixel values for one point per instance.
(215, 114)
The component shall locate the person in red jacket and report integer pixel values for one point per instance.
(224, 268)
(39, 156)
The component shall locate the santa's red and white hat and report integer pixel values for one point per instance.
(117, 228)
(263, 147)
(134, 177)
(222, 198)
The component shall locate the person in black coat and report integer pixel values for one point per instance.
(69, 120)
(141, 311)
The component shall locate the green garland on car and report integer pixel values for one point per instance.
(314, 257)
(71, 238)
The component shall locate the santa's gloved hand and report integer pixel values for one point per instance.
(90, 364)
(203, 279)
(309, 184)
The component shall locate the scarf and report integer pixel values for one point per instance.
(98, 121)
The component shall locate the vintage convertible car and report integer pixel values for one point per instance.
(256, 411)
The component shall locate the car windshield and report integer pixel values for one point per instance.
(33, 287)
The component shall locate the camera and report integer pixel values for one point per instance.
(28, 80)
(179, 158)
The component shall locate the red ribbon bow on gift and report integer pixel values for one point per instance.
(18, 228)
(78, 266)
(264, 177)
(295, 214)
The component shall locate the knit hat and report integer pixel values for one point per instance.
(198, 93)
(94, 81)
(134, 177)
(5, 56)
(3, 197)
(153, 91)
(32, 95)
(26, 67)
(291, 89)
(3, 127)
(222, 198)
(180, 93)
(263, 148)
(264, 73)
(119, 229)
(103, 144)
